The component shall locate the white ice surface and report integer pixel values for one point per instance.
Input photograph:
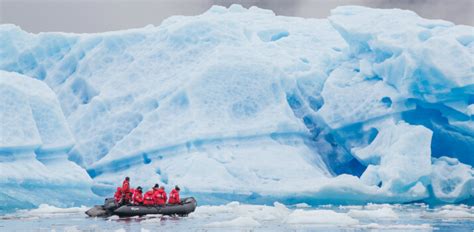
(320, 217)
(378, 214)
(34, 141)
(451, 180)
(400, 155)
(30, 115)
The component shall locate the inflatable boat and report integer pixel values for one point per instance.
(187, 206)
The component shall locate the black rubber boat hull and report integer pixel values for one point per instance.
(97, 211)
(103, 210)
(110, 208)
(188, 206)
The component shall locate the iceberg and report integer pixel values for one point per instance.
(242, 104)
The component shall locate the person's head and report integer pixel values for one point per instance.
(139, 188)
(127, 178)
(162, 187)
(156, 186)
(177, 188)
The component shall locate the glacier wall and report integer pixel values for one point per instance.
(369, 105)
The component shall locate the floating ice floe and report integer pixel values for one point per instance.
(238, 216)
(385, 213)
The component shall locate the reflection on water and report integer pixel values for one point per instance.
(106, 15)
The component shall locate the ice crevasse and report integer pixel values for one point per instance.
(368, 105)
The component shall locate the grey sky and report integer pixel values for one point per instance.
(105, 15)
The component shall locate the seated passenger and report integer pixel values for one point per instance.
(174, 196)
(118, 195)
(137, 198)
(160, 196)
(149, 199)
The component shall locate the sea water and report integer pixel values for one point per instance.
(241, 217)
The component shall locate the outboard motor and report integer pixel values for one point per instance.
(103, 210)
(109, 204)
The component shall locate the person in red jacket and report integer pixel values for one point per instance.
(164, 194)
(149, 199)
(126, 193)
(118, 195)
(137, 197)
(160, 196)
(174, 196)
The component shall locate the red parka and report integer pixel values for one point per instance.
(118, 195)
(148, 198)
(174, 197)
(126, 190)
(137, 198)
(126, 186)
(160, 197)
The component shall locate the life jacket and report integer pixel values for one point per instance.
(160, 197)
(174, 197)
(137, 197)
(118, 195)
(148, 198)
